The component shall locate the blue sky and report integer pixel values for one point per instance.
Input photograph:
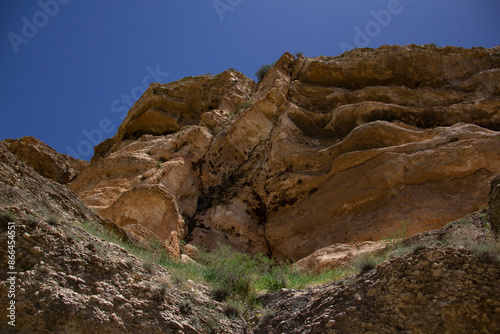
(67, 66)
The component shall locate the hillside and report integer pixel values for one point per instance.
(378, 167)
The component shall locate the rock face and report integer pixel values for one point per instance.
(323, 150)
(45, 160)
(433, 291)
(33, 195)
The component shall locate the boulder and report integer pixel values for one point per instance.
(337, 255)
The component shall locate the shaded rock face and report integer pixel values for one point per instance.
(433, 291)
(494, 202)
(323, 150)
(32, 195)
(45, 160)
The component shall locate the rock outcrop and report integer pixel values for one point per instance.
(323, 150)
(69, 281)
(45, 160)
(34, 196)
(337, 255)
(432, 291)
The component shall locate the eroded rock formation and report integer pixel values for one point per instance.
(323, 150)
(45, 160)
(338, 255)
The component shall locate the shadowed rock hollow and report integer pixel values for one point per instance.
(323, 150)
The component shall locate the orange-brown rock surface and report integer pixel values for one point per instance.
(323, 150)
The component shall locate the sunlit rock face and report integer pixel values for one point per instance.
(323, 150)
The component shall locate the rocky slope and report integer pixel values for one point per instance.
(323, 150)
(69, 281)
(45, 160)
(431, 291)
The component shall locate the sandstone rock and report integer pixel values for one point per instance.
(34, 197)
(337, 255)
(24, 191)
(494, 202)
(151, 206)
(169, 161)
(45, 160)
(164, 109)
(376, 189)
(238, 226)
(324, 150)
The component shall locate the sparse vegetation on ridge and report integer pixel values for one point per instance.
(262, 71)
(234, 277)
(237, 278)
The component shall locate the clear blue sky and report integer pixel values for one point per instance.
(63, 67)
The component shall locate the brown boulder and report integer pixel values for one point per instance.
(337, 255)
(150, 206)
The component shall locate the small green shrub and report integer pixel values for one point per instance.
(234, 308)
(149, 267)
(158, 294)
(299, 54)
(396, 240)
(53, 220)
(365, 263)
(262, 71)
(486, 252)
(7, 216)
(242, 106)
(275, 279)
(186, 307)
(231, 273)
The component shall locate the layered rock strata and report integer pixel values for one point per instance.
(323, 150)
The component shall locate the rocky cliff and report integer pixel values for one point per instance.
(315, 163)
(323, 150)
